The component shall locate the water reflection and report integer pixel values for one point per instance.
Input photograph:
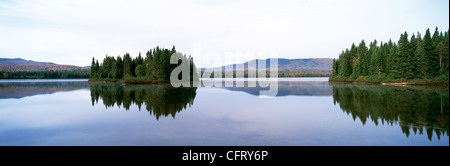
(412, 107)
(284, 88)
(19, 90)
(160, 100)
(419, 111)
(290, 88)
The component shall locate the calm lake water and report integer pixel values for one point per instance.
(305, 111)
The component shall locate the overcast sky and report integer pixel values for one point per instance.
(74, 31)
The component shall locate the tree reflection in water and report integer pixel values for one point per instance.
(159, 100)
(416, 107)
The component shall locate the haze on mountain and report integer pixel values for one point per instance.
(287, 64)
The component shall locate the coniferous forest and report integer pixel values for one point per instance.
(154, 67)
(49, 74)
(414, 59)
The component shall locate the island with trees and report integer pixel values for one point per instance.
(414, 60)
(155, 67)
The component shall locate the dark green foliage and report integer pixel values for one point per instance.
(127, 72)
(140, 71)
(155, 66)
(93, 68)
(119, 67)
(414, 58)
(335, 67)
(429, 51)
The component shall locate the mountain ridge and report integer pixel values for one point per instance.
(19, 64)
(20, 61)
(286, 64)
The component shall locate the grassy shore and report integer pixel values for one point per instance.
(438, 81)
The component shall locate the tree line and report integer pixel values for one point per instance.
(49, 74)
(416, 57)
(15, 68)
(154, 66)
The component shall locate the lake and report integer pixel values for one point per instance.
(305, 111)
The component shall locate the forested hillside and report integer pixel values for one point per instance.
(20, 61)
(18, 68)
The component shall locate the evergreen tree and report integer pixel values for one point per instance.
(363, 58)
(93, 69)
(356, 70)
(417, 57)
(429, 52)
(97, 67)
(392, 68)
(445, 55)
(127, 66)
(140, 71)
(405, 61)
(119, 67)
(335, 66)
(348, 63)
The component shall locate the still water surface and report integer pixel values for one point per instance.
(306, 111)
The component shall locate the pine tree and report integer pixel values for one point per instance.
(93, 69)
(127, 66)
(363, 58)
(140, 71)
(429, 51)
(372, 64)
(404, 63)
(335, 66)
(97, 68)
(394, 71)
(445, 54)
(356, 70)
(119, 67)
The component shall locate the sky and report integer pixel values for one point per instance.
(72, 32)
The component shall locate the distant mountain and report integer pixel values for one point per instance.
(20, 61)
(18, 64)
(289, 64)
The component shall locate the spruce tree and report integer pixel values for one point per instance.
(363, 58)
(119, 67)
(127, 66)
(430, 53)
(93, 69)
(347, 63)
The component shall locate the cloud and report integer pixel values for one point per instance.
(72, 32)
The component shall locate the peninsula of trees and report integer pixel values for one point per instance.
(154, 67)
(415, 60)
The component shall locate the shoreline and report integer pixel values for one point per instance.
(393, 82)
